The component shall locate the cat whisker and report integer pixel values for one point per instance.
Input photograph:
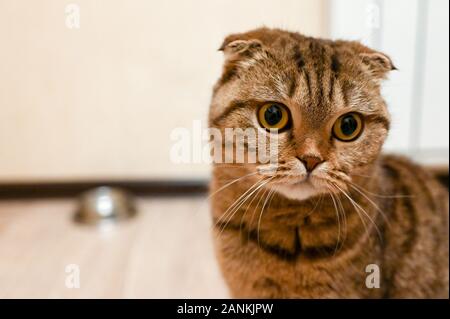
(245, 213)
(261, 214)
(379, 195)
(339, 223)
(254, 212)
(239, 205)
(363, 211)
(319, 201)
(237, 201)
(360, 175)
(273, 195)
(358, 213)
(360, 190)
(372, 202)
(342, 176)
(344, 219)
(229, 184)
(210, 196)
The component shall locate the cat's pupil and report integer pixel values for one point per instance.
(273, 115)
(349, 125)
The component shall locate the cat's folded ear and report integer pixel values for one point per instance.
(377, 63)
(235, 48)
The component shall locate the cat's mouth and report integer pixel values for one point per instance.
(293, 183)
(299, 187)
(296, 180)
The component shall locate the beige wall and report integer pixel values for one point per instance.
(100, 101)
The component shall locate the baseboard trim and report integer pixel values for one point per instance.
(73, 189)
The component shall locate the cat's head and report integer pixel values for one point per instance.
(323, 97)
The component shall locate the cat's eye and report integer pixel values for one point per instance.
(273, 116)
(348, 127)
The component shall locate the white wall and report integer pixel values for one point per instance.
(100, 101)
(415, 33)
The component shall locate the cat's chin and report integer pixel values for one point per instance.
(298, 191)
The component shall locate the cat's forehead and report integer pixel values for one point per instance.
(309, 76)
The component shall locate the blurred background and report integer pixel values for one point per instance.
(90, 92)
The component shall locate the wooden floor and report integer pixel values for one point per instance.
(165, 252)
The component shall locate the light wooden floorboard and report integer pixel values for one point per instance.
(165, 252)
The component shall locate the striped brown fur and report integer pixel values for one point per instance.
(283, 243)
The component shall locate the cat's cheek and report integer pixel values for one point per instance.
(347, 157)
(364, 151)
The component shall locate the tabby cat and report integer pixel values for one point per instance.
(335, 219)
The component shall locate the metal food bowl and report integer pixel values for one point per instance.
(104, 204)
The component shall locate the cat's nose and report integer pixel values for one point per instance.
(310, 162)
